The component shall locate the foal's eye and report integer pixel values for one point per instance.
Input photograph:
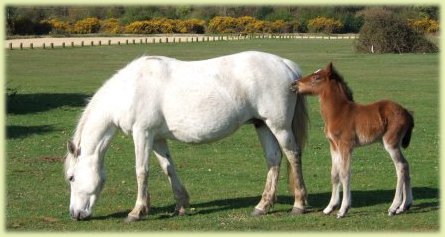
(71, 178)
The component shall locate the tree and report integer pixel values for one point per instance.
(383, 32)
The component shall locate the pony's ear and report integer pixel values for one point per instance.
(72, 149)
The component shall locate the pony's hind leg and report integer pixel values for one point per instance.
(273, 158)
(287, 142)
(403, 195)
(161, 151)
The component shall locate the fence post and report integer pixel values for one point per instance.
(10, 46)
(81, 43)
(43, 46)
(21, 46)
(109, 42)
(126, 42)
(166, 40)
(63, 45)
(92, 43)
(31, 46)
(52, 45)
(134, 41)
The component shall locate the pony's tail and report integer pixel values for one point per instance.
(300, 123)
(407, 138)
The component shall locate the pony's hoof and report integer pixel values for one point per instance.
(327, 211)
(297, 211)
(258, 212)
(180, 212)
(339, 216)
(130, 219)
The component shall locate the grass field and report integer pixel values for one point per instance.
(225, 179)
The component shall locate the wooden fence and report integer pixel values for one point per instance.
(51, 43)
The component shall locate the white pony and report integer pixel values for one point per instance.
(156, 98)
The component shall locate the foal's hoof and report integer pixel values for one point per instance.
(258, 212)
(297, 211)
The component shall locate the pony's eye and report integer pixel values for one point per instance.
(71, 178)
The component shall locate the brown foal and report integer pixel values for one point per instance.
(348, 125)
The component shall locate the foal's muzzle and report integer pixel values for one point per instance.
(294, 86)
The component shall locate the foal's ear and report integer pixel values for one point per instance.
(330, 67)
(72, 149)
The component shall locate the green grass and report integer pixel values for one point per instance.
(225, 179)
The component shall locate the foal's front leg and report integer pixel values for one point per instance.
(335, 180)
(143, 143)
(345, 176)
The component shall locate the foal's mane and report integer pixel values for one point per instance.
(342, 84)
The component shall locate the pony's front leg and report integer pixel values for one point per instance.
(273, 158)
(143, 143)
(181, 196)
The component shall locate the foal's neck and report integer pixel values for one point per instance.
(333, 102)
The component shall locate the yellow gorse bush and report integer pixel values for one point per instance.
(86, 26)
(424, 25)
(166, 26)
(324, 25)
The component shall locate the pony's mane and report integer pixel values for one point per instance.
(80, 125)
(342, 84)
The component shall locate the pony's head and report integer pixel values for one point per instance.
(320, 80)
(86, 177)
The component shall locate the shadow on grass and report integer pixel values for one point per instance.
(17, 132)
(41, 102)
(317, 202)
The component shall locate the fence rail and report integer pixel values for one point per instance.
(51, 43)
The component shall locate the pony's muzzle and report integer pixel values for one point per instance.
(79, 215)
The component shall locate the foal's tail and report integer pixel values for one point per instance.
(407, 138)
(300, 123)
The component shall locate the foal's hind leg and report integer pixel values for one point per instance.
(273, 158)
(180, 193)
(403, 196)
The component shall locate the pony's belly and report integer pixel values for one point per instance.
(199, 131)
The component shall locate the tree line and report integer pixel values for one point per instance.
(36, 20)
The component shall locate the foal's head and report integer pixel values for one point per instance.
(321, 80)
